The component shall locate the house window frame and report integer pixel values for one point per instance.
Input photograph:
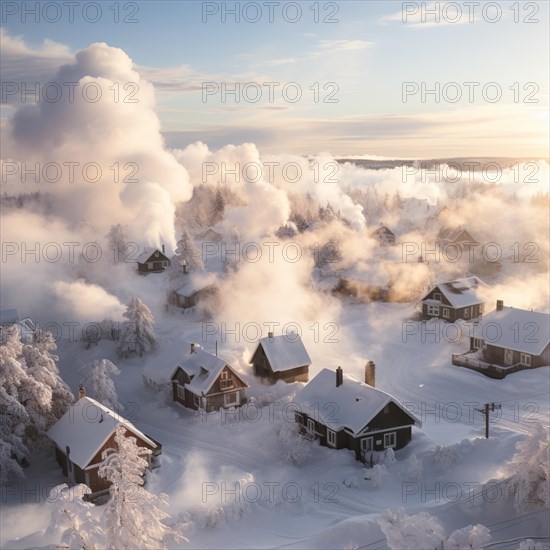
(331, 437)
(196, 400)
(392, 435)
(525, 359)
(466, 313)
(226, 380)
(433, 309)
(387, 409)
(436, 294)
(477, 343)
(180, 391)
(311, 426)
(367, 444)
(446, 313)
(227, 395)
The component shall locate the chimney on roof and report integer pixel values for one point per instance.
(192, 347)
(163, 251)
(81, 392)
(339, 376)
(500, 305)
(370, 371)
(184, 266)
(270, 336)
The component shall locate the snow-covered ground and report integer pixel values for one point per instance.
(227, 477)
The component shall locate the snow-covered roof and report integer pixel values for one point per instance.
(194, 282)
(284, 352)
(517, 329)
(462, 292)
(351, 405)
(454, 234)
(148, 251)
(8, 316)
(204, 367)
(85, 427)
(383, 230)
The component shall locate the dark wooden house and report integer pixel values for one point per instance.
(193, 293)
(508, 340)
(152, 260)
(84, 432)
(384, 235)
(458, 236)
(198, 380)
(454, 300)
(345, 413)
(282, 357)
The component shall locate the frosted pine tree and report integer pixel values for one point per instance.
(133, 516)
(218, 208)
(137, 333)
(12, 428)
(98, 382)
(186, 250)
(118, 242)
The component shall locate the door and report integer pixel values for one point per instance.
(508, 357)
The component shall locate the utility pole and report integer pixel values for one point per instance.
(485, 412)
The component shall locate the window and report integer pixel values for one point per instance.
(226, 380)
(196, 400)
(311, 425)
(466, 313)
(446, 313)
(525, 359)
(181, 392)
(230, 398)
(433, 310)
(299, 418)
(386, 409)
(478, 343)
(157, 254)
(481, 308)
(389, 440)
(366, 444)
(437, 296)
(331, 438)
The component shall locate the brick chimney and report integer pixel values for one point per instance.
(163, 251)
(339, 376)
(192, 347)
(500, 305)
(81, 392)
(270, 336)
(370, 370)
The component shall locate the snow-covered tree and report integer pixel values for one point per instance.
(287, 231)
(118, 242)
(74, 518)
(133, 516)
(137, 333)
(295, 448)
(218, 208)
(530, 468)
(29, 385)
(98, 382)
(186, 250)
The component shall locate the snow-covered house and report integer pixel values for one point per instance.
(366, 285)
(458, 236)
(201, 380)
(152, 260)
(196, 288)
(10, 317)
(459, 299)
(282, 357)
(383, 235)
(83, 433)
(508, 340)
(344, 413)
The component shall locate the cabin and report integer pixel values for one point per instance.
(281, 357)
(194, 292)
(9, 318)
(454, 300)
(344, 413)
(508, 340)
(199, 380)
(383, 235)
(152, 260)
(457, 236)
(84, 432)
(364, 286)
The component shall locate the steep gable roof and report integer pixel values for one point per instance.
(351, 405)
(148, 252)
(204, 368)
(461, 292)
(498, 328)
(284, 352)
(85, 428)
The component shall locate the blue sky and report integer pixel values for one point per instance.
(366, 56)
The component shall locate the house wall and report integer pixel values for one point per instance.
(454, 314)
(262, 369)
(495, 355)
